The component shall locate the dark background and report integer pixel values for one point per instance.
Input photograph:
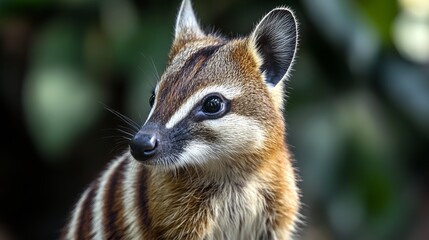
(357, 112)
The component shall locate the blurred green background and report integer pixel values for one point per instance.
(357, 112)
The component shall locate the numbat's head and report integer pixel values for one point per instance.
(218, 106)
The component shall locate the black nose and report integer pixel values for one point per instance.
(144, 146)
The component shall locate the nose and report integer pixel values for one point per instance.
(144, 146)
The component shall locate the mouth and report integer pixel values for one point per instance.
(158, 147)
(157, 160)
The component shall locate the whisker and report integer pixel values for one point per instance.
(158, 78)
(125, 132)
(112, 136)
(122, 117)
(119, 147)
(127, 129)
(141, 119)
(155, 71)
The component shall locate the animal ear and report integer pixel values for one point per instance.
(275, 39)
(186, 23)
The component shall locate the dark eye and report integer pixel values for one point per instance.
(152, 100)
(212, 104)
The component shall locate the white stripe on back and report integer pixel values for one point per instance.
(129, 200)
(71, 234)
(98, 207)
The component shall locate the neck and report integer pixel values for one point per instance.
(224, 172)
(191, 193)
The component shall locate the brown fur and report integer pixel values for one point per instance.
(197, 200)
(113, 205)
(84, 228)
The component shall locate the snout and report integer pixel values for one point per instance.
(144, 145)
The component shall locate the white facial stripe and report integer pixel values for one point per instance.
(150, 113)
(229, 92)
(194, 152)
(237, 131)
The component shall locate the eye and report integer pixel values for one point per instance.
(212, 104)
(152, 99)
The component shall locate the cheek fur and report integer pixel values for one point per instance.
(236, 133)
(195, 152)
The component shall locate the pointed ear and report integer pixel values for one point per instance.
(186, 23)
(275, 39)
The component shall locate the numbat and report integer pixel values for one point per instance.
(211, 161)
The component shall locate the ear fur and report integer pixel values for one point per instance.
(186, 22)
(275, 39)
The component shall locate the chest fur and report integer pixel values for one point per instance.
(238, 213)
(219, 211)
